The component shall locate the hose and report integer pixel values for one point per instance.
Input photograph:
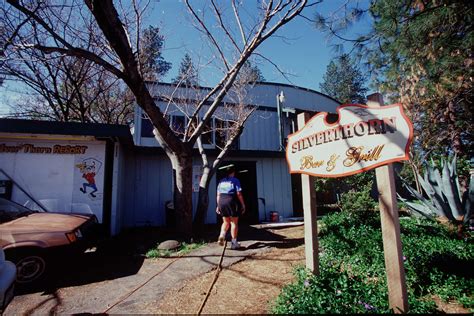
(218, 270)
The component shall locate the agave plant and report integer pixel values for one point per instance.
(444, 194)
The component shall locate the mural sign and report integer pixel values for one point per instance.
(65, 177)
(363, 138)
(42, 149)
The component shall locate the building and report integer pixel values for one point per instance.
(259, 154)
(57, 166)
(50, 160)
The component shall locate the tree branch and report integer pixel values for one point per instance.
(222, 25)
(239, 23)
(81, 53)
(208, 33)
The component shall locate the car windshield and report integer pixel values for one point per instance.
(10, 210)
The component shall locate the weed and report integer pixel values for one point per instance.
(183, 249)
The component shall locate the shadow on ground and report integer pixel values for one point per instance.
(123, 255)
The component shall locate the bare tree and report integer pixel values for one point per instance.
(118, 55)
(67, 88)
(226, 127)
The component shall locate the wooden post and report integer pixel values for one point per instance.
(309, 209)
(397, 290)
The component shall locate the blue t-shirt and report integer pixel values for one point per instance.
(229, 185)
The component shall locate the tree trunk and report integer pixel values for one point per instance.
(203, 200)
(182, 199)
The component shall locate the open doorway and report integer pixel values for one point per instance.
(297, 195)
(247, 174)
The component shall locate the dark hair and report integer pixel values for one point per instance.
(230, 170)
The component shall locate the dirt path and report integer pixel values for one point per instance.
(245, 287)
(123, 283)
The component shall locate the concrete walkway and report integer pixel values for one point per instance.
(128, 294)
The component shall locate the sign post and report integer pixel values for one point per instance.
(363, 138)
(310, 214)
(392, 245)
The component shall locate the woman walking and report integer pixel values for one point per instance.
(230, 205)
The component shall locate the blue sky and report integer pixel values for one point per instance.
(299, 48)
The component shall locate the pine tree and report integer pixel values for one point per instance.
(421, 53)
(187, 73)
(152, 63)
(249, 74)
(344, 81)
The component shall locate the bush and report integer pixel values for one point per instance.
(345, 185)
(359, 201)
(352, 273)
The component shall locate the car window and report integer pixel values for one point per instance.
(10, 210)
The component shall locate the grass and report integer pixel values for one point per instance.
(183, 249)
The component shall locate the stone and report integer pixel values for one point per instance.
(169, 245)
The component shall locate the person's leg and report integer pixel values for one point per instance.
(234, 231)
(224, 228)
(234, 227)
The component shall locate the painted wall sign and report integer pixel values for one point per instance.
(65, 177)
(363, 138)
(35, 149)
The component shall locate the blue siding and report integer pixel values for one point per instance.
(148, 186)
(260, 132)
(274, 185)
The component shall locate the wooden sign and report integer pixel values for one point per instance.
(363, 138)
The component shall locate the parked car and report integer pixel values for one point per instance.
(7, 281)
(30, 237)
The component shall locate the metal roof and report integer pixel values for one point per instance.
(122, 132)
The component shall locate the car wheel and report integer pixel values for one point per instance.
(30, 267)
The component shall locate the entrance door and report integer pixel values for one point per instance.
(247, 174)
(297, 195)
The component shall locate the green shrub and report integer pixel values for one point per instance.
(352, 272)
(359, 201)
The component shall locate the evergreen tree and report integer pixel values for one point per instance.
(419, 53)
(249, 74)
(344, 81)
(153, 65)
(187, 74)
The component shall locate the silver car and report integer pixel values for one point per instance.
(7, 281)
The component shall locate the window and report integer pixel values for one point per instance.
(178, 125)
(147, 127)
(223, 133)
(216, 132)
(207, 136)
